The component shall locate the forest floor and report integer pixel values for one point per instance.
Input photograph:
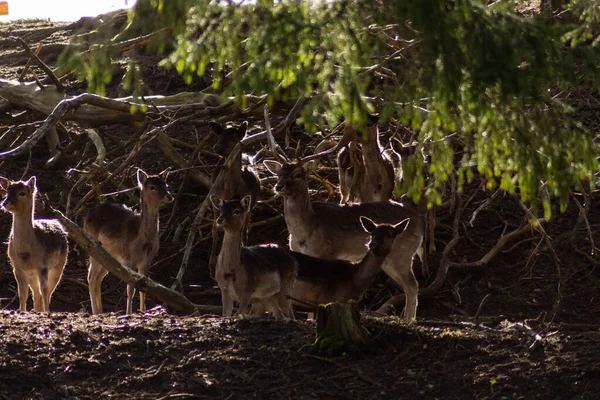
(525, 325)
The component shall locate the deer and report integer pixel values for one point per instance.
(333, 231)
(37, 248)
(130, 237)
(322, 281)
(263, 275)
(365, 175)
(239, 182)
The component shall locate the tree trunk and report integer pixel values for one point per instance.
(339, 329)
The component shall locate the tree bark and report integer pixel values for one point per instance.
(339, 329)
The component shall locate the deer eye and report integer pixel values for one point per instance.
(21, 193)
(152, 187)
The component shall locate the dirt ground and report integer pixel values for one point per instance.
(526, 325)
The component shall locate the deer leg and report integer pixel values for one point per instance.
(400, 270)
(411, 291)
(130, 294)
(227, 304)
(54, 275)
(34, 284)
(44, 293)
(22, 287)
(96, 274)
(212, 261)
(244, 304)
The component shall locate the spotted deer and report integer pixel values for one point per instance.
(263, 275)
(37, 248)
(322, 281)
(128, 236)
(239, 182)
(366, 175)
(333, 231)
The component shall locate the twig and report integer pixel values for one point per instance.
(42, 65)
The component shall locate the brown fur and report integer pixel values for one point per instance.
(131, 238)
(37, 249)
(239, 182)
(370, 178)
(322, 281)
(263, 275)
(333, 231)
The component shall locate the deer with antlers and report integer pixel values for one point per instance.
(37, 248)
(333, 231)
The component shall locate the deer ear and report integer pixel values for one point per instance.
(243, 128)
(141, 177)
(216, 128)
(246, 201)
(216, 201)
(401, 226)
(164, 174)
(311, 166)
(273, 166)
(31, 183)
(367, 224)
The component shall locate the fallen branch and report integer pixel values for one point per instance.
(142, 283)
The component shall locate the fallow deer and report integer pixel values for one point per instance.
(263, 275)
(322, 281)
(239, 182)
(369, 177)
(37, 248)
(130, 237)
(333, 231)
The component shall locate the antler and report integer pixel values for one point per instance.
(274, 148)
(347, 138)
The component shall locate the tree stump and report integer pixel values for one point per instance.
(339, 329)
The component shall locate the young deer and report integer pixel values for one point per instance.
(370, 178)
(322, 281)
(130, 237)
(37, 249)
(263, 275)
(333, 231)
(239, 182)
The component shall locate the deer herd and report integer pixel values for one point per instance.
(335, 250)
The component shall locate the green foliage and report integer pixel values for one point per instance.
(480, 84)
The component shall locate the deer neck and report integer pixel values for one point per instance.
(297, 206)
(372, 157)
(148, 222)
(23, 233)
(231, 250)
(367, 270)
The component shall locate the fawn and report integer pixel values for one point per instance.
(263, 275)
(333, 231)
(130, 237)
(37, 249)
(239, 182)
(323, 281)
